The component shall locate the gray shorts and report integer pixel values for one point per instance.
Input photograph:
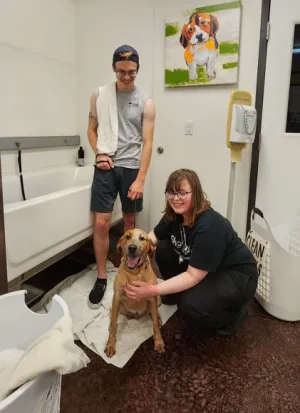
(108, 184)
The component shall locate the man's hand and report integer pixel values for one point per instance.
(136, 190)
(104, 162)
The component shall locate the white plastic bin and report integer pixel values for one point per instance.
(277, 251)
(20, 327)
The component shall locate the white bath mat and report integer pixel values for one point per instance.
(91, 326)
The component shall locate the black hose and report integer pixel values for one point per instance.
(20, 170)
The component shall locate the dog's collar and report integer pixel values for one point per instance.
(141, 265)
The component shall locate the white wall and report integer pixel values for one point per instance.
(100, 30)
(250, 34)
(278, 190)
(206, 151)
(37, 77)
(140, 23)
(42, 45)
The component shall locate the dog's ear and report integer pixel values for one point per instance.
(120, 244)
(214, 25)
(151, 248)
(197, 20)
(183, 41)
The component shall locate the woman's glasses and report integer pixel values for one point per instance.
(180, 195)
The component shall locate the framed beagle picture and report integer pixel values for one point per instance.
(202, 44)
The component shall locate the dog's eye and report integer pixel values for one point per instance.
(190, 30)
(142, 238)
(204, 23)
(127, 236)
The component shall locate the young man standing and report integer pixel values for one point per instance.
(125, 170)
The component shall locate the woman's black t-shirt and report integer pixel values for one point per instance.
(211, 244)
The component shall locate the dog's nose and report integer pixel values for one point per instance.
(132, 248)
(199, 36)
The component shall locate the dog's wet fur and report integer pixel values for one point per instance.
(136, 249)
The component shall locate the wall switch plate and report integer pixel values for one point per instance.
(188, 127)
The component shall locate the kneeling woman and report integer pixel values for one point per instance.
(207, 270)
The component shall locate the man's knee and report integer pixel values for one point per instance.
(129, 220)
(102, 223)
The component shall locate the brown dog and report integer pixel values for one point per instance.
(136, 248)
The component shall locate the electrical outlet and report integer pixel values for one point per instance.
(188, 127)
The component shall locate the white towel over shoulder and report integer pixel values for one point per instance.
(107, 113)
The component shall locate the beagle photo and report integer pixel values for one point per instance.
(202, 44)
(198, 38)
(136, 249)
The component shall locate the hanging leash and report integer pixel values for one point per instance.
(134, 220)
(18, 144)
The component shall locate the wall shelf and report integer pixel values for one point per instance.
(37, 142)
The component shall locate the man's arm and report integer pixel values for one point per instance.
(147, 134)
(137, 188)
(102, 161)
(93, 124)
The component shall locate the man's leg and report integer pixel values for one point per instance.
(130, 208)
(104, 193)
(101, 241)
(129, 220)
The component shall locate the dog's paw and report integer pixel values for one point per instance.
(211, 75)
(110, 349)
(159, 345)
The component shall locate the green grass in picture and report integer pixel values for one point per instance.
(228, 47)
(230, 65)
(214, 8)
(180, 77)
(171, 29)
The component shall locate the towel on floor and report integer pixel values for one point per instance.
(54, 350)
(108, 126)
(91, 326)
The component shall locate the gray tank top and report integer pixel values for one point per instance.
(130, 117)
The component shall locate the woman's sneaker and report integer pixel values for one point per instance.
(231, 329)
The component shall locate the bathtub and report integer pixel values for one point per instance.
(55, 216)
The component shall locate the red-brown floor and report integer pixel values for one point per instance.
(258, 371)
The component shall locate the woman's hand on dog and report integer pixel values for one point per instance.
(139, 290)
